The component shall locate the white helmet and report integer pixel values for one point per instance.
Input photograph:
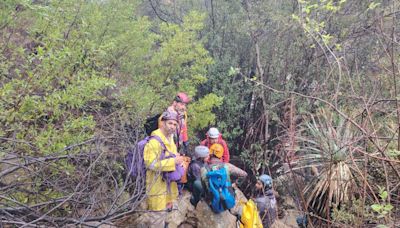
(213, 133)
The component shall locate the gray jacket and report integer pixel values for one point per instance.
(266, 205)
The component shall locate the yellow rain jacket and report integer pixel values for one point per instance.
(156, 187)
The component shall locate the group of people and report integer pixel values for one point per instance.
(211, 154)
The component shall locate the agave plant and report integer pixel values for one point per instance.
(328, 142)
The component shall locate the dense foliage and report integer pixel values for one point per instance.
(77, 80)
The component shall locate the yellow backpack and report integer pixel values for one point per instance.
(250, 217)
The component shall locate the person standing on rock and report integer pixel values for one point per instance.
(214, 136)
(265, 200)
(200, 158)
(160, 196)
(178, 106)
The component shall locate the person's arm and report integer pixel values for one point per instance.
(236, 171)
(225, 156)
(184, 129)
(204, 142)
(203, 175)
(185, 139)
(196, 171)
(151, 156)
(159, 121)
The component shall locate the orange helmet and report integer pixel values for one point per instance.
(217, 149)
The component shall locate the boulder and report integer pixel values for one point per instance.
(206, 218)
(147, 219)
(184, 215)
(182, 208)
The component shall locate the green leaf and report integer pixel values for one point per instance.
(233, 71)
(376, 207)
(383, 195)
(373, 5)
(295, 17)
(393, 153)
(388, 207)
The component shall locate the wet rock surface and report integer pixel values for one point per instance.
(184, 215)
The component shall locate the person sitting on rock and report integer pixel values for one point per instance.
(216, 153)
(200, 158)
(265, 200)
(214, 136)
(220, 196)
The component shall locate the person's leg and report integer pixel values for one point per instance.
(180, 188)
(197, 192)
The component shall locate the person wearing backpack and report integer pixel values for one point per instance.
(217, 179)
(265, 200)
(214, 136)
(200, 158)
(216, 153)
(160, 160)
(178, 106)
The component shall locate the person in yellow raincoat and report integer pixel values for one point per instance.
(159, 197)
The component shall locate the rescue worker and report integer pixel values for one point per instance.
(159, 196)
(265, 200)
(178, 106)
(214, 136)
(200, 159)
(216, 153)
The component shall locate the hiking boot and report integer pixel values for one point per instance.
(192, 201)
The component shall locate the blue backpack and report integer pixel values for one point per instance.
(136, 168)
(223, 197)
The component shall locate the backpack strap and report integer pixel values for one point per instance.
(228, 174)
(163, 149)
(163, 156)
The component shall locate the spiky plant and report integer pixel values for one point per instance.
(328, 142)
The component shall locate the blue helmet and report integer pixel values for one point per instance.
(302, 221)
(266, 180)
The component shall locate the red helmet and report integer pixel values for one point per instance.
(182, 97)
